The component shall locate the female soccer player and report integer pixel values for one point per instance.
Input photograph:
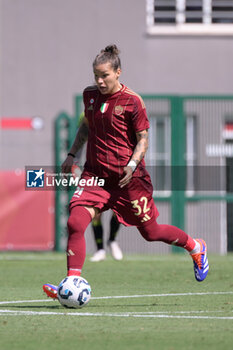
(115, 127)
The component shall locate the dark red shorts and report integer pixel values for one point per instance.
(133, 204)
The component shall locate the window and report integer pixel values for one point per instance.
(199, 17)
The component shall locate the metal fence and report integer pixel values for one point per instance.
(190, 159)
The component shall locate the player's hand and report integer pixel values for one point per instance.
(67, 165)
(76, 171)
(128, 171)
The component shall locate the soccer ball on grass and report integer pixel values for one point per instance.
(74, 292)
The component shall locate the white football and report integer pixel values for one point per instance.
(74, 292)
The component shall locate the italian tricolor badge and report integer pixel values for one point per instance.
(104, 107)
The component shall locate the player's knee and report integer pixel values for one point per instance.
(71, 224)
(96, 222)
(146, 234)
(78, 220)
(149, 232)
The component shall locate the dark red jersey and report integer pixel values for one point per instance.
(114, 121)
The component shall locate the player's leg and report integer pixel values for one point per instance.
(98, 232)
(136, 207)
(114, 247)
(84, 205)
(114, 227)
(173, 235)
(97, 227)
(79, 219)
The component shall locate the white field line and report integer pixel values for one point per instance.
(121, 297)
(128, 312)
(25, 301)
(156, 314)
(160, 295)
(99, 314)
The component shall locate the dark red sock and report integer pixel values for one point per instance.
(77, 223)
(190, 245)
(168, 234)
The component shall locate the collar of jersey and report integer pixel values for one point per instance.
(109, 96)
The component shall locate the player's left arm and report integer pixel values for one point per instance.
(138, 155)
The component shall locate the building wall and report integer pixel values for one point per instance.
(47, 49)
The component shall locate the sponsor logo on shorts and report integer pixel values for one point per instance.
(146, 218)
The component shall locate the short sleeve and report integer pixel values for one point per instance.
(139, 117)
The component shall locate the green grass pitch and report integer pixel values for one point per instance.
(173, 312)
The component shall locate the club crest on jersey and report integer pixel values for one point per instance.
(118, 110)
(104, 107)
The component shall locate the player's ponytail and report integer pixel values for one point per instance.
(109, 54)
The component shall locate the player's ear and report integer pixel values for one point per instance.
(118, 72)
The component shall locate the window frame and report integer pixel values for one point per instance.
(179, 28)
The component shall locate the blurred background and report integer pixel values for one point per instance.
(177, 54)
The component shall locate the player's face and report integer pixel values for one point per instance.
(106, 78)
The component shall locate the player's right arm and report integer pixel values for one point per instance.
(138, 155)
(80, 139)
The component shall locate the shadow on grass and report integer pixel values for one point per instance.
(50, 307)
(96, 307)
